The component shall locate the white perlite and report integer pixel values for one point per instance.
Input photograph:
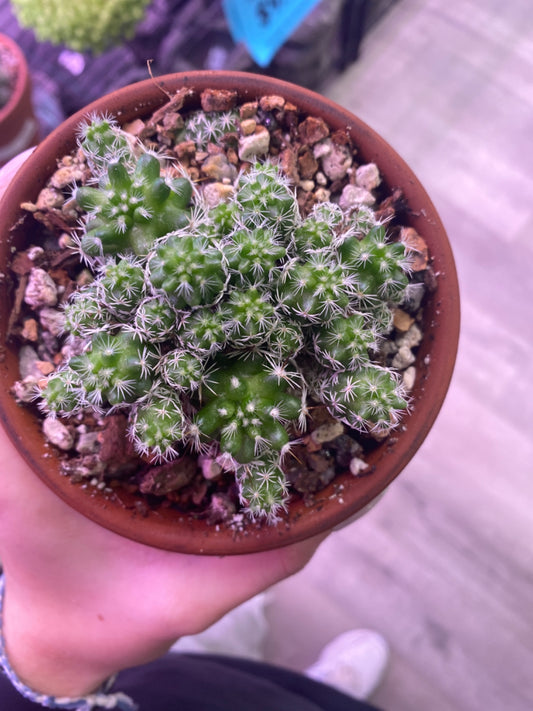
(357, 466)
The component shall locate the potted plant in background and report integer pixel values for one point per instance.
(245, 315)
(18, 126)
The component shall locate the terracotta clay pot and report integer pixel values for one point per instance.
(435, 359)
(19, 128)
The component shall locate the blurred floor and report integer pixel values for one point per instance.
(443, 567)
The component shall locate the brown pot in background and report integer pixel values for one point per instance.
(19, 128)
(435, 358)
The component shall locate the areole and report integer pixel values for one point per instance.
(435, 359)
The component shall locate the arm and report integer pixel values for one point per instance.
(82, 603)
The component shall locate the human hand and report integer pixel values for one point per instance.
(8, 171)
(82, 602)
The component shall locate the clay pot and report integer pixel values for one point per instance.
(18, 126)
(435, 359)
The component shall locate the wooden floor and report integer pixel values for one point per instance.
(443, 567)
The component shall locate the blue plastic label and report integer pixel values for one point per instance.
(264, 25)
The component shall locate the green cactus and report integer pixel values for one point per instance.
(249, 316)
(263, 489)
(203, 330)
(252, 255)
(379, 266)
(182, 370)
(246, 409)
(157, 424)
(101, 139)
(85, 313)
(122, 286)
(316, 289)
(266, 200)
(346, 341)
(188, 269)
(132, 207)
(369, 399)
(114, 370)
(219, 327)
(155, 318)
(208, 127)
(81, 26)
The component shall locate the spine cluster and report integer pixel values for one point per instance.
(220, 326)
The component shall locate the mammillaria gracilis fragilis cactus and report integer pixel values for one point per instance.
(221, 326)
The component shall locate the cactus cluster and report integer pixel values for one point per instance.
(204, 127)
(81, 26)
(220, 326)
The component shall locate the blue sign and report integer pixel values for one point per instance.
(264, 25)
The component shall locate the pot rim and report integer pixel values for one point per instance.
(346, 495)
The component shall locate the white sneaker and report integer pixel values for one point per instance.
(354, 662)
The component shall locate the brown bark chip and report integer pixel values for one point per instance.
(218, 100)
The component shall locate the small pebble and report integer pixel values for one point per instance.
(211, 469)
(256, 144)
(336, 163)
(272, 102)
(26, 389)
(248, 126)
(41, 289)
(57, 434)
(327, 432)
(49, 198)
(217, 168)
(354, 196)
(412, 338)
(417, 246)
(27, 362)
(248, 110)
(322, 149)
(367, 176)
(44, 367)
(322, 195)
(52, 320)
(65, 176)
(404, 358)
(306, 185)
(413, 297)
(402, 321)
(34, 253)
(409, 377)
(312, 130)
(87, 443)
(65, 241)
(217, 192)
(30, 329)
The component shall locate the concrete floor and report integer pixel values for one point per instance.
(443, 566)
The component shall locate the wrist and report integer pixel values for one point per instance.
(38, 658)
